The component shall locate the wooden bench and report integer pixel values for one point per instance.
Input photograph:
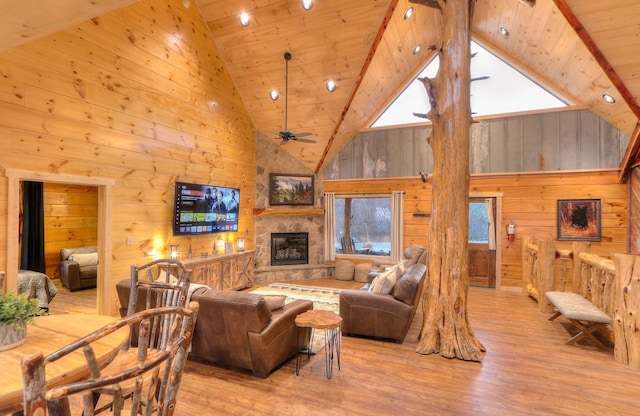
(582, 313)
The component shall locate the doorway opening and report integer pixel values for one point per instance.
(484, 235)
(104, 186)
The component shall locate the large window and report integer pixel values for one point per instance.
(363, 225)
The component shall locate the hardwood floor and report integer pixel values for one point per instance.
(65, 301)
(527, 370)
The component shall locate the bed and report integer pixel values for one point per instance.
(36, 285)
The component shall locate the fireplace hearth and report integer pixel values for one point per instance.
(289, 248)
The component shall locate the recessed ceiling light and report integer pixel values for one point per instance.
(186, 3)
(307, 4)
(416, 50)
(503, 31)
(273, 94)
(331, 86)
(408, 13)
(608, 98)
(244, 19)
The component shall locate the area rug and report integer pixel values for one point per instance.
(325, 298)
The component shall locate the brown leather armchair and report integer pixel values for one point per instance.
(79, 267)
(386, 316)
(238, 329)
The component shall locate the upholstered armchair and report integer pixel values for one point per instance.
(79, 267)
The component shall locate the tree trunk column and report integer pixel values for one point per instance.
(446, 329)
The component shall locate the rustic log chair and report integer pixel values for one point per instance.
(155, 373)
(165, 283)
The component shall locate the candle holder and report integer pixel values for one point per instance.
(240, 242)
(174, 252)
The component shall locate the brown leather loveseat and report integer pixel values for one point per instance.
(387, 314)
(239, 329)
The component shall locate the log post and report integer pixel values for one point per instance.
(546, 273)
(446, 329)
(527, 267)
(626, 318)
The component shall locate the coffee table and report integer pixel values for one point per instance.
(328, 321)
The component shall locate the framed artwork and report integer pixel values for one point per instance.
(290, 189)
(579, 219)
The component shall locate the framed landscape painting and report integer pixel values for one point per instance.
(290, 189)
(579, 219)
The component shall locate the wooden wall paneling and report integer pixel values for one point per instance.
(122, 97)
(514, 146)
(531, 143)
(348, 161)
(393, 155)
(568, 138)
(382, 146)
(549, 142)
(497, 146)
(529, 199)
(589, 142)
(407, 161)
(70, 220)
(423, 155)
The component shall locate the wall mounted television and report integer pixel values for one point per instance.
(205, 209)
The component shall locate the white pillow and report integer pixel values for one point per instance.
(163, 278)
(85, 259)
(384, 283)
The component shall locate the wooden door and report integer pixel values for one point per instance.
(482, 260)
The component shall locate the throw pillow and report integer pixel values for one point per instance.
(384, 283)
(85, 259)
(405, 289)
(344, 270)
(362, 272)
(275, 301)
(163, 278)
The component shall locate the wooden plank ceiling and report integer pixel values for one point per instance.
(366, 47)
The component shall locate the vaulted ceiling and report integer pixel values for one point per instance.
(578, 49)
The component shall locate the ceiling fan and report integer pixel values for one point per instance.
(286, 135)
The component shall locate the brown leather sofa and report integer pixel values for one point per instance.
(387, 316)
(238, 329)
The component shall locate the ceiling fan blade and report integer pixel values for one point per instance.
(303, 134)
(298, 139)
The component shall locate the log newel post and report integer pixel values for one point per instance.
(626, 321)
(546, 273)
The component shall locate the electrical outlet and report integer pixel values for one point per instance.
(129, 240)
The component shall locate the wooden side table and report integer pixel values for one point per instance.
(328, 321)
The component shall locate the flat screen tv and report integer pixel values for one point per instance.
(205, 209)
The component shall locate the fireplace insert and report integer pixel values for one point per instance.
(289, 248)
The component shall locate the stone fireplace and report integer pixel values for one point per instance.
(289, 248)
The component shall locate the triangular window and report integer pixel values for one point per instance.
(505, 91)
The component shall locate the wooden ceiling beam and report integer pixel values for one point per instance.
(365, 67)
(598, 56)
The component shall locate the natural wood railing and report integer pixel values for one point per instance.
(613, 285)
(593, 278)
(538, 270)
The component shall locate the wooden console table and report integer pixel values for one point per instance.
(232, 271)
